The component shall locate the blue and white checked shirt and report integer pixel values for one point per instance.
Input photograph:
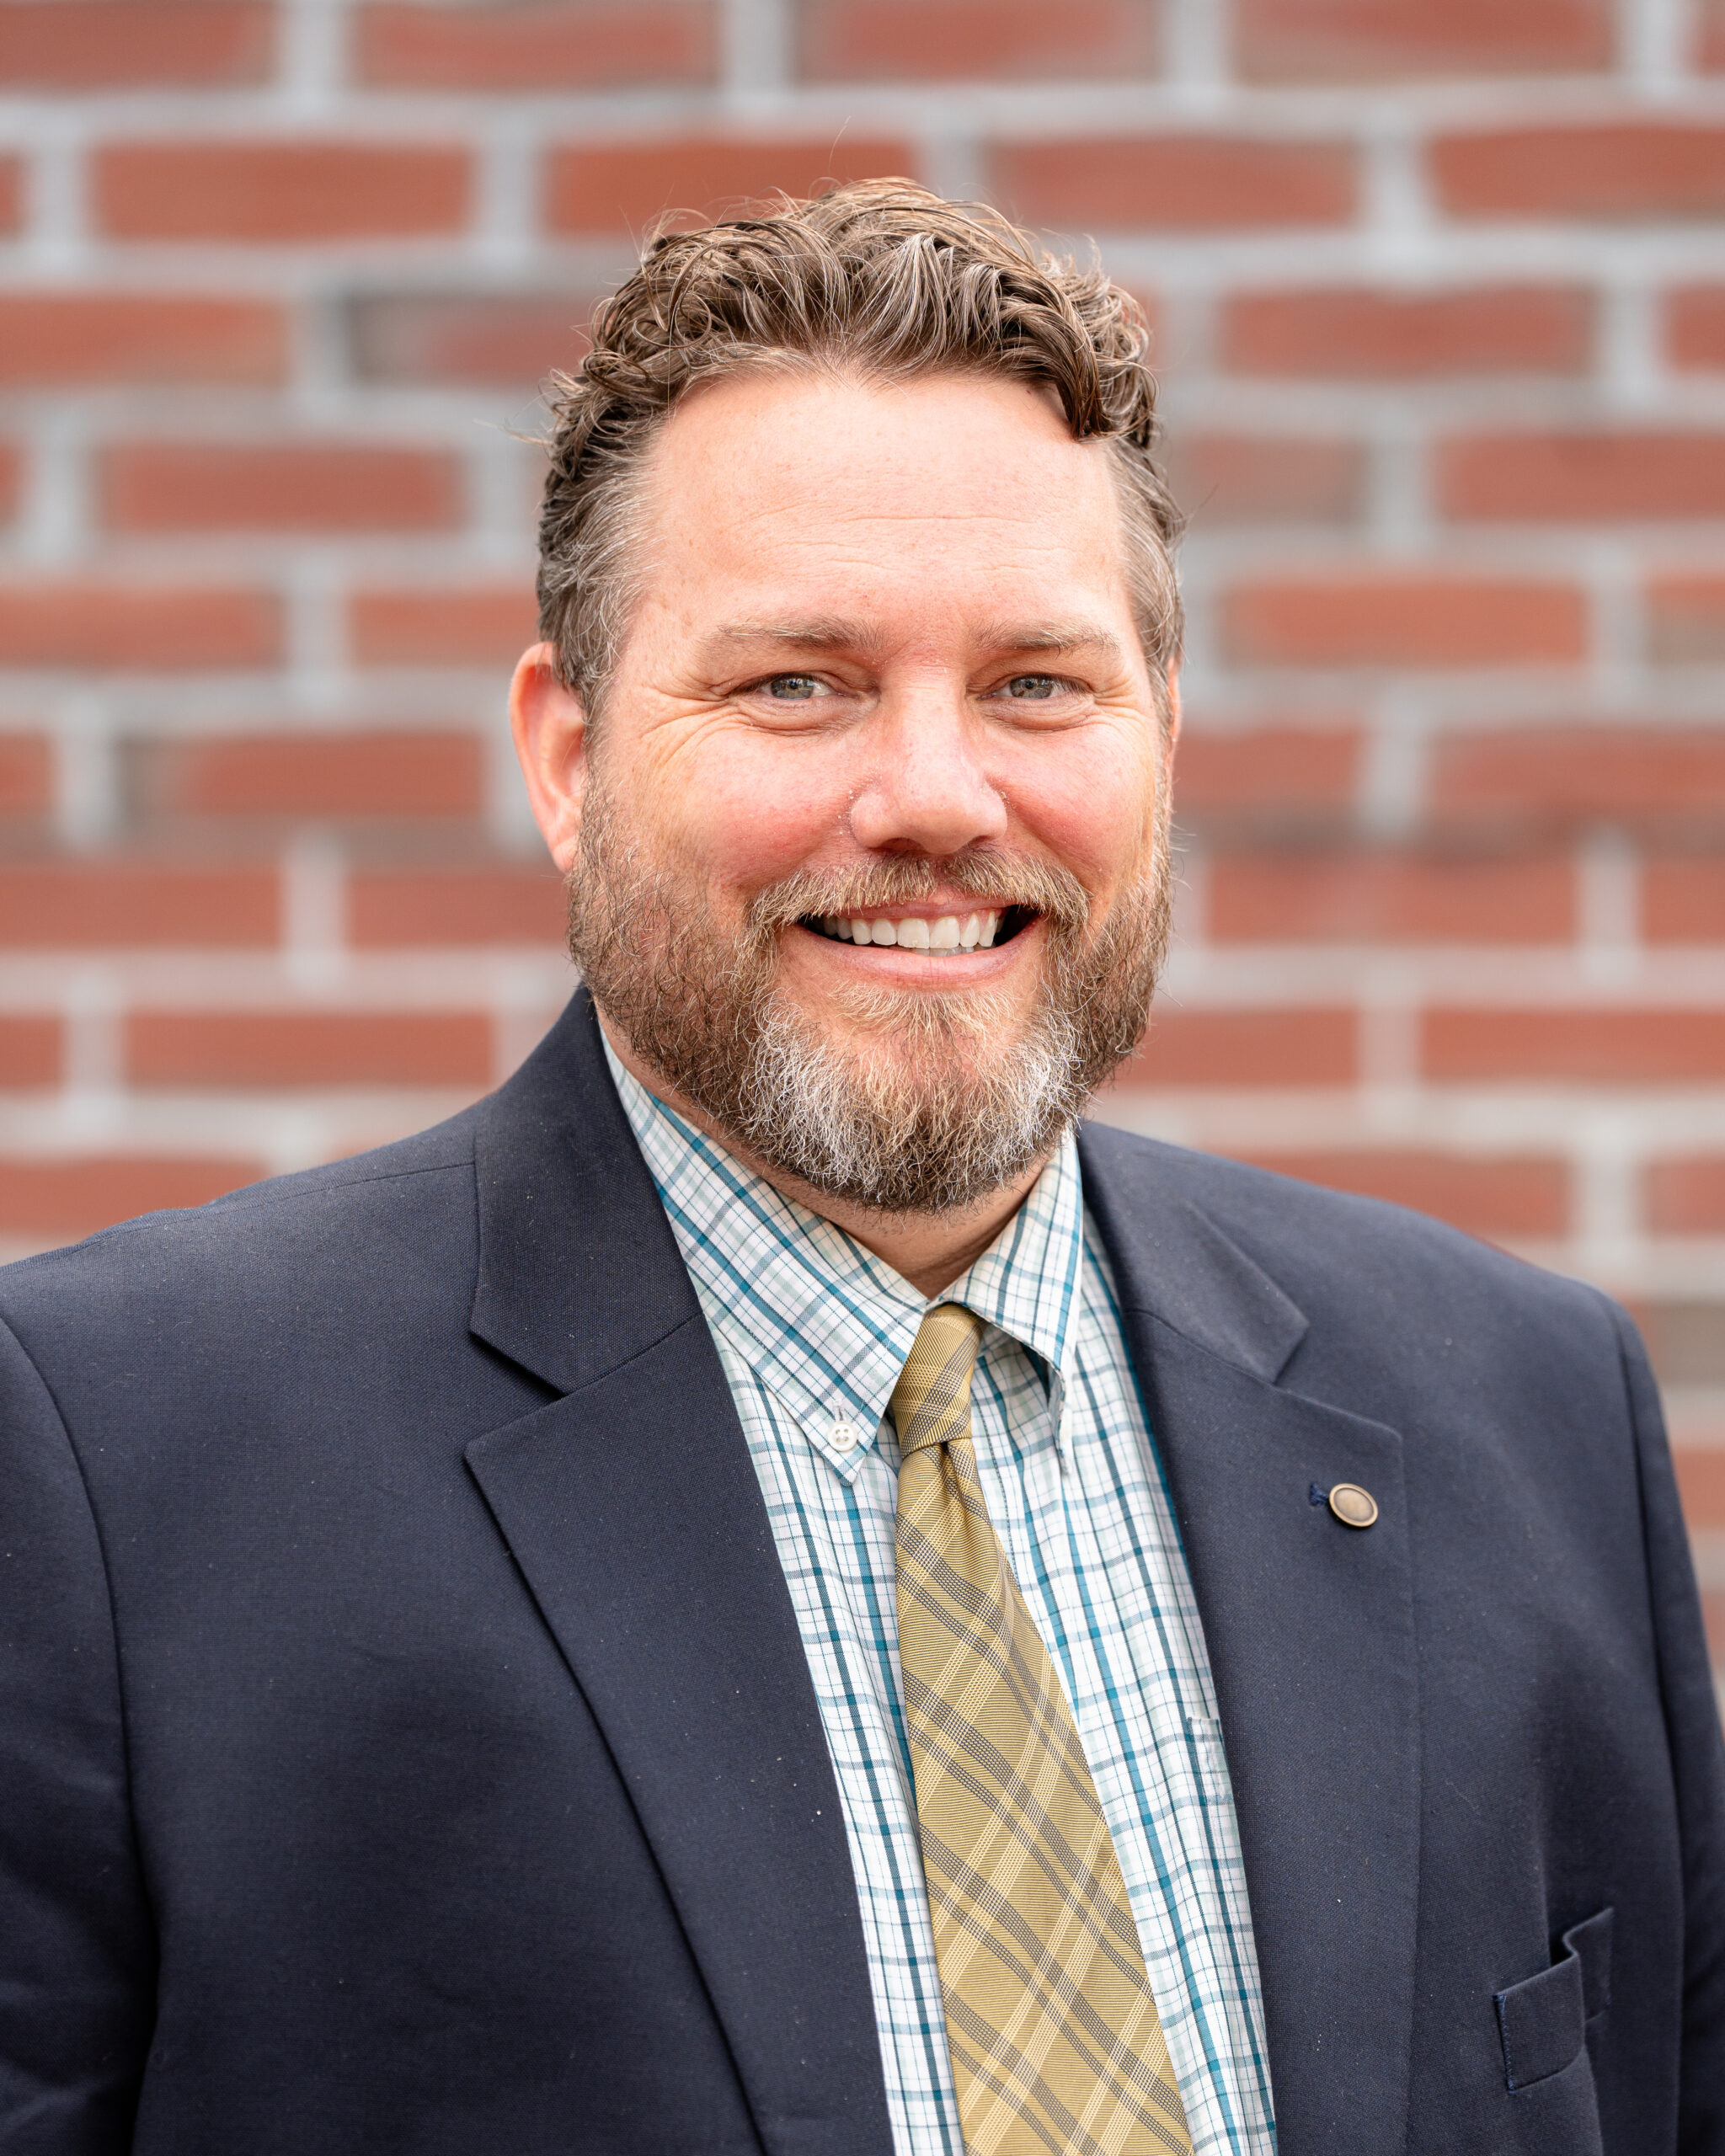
(813, 1331)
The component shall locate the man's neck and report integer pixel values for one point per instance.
(930, 1250)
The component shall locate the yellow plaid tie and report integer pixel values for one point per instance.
(1056, 2040)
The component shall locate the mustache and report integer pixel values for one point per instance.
(1002, 879)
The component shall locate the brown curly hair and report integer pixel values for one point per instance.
(879, 281)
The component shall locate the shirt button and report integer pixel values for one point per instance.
(844, 1434)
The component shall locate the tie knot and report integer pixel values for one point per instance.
(930, 1402)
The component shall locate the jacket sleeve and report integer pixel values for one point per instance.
(1698, 1763)
(77, 1945)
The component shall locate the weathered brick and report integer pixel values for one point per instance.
(1626, 169)
(1683, 899)
(1267, 774)
(1230, 479)
(1376, 40)
(321, 774)
(1695, 327)
(1604, 477)
(292, 1048)
(1685, 1196)
(26, 775)
(1280, 1047)
(165, 628)
(537, 45)
(423, 627)
(619, 190)
(1379, 618)
(1604, 1047)
(934, 41)
(64, 339)
(457, 906)
(1383, 897)
(509, 339)
(1686, 620)
(302, 486)
(1521, 1194)
(1356, 332)
(29, 1053)
(266, 192)
(106, 44)
(80, 1194)
(122, 905)
(1182, 182)
(1701, 1483)
(1565, 775)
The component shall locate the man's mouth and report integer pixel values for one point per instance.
(941, 935)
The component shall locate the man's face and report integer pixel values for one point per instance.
(875, 790)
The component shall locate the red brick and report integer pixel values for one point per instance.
(132, 905)
(30, 1052)
(11, 194)
(1522, 1195)
(624, 187)
(424, 627)
(1272, 770)
(1710, 33)
(1228, 479)
(319, 1048)
(506, 340)
(1374, 40)
(471, 906)
(1377, 619)
(90, 44)
(1582, 477)
(1631, 169)
(1683, 900)
(151, 629)
(1371, 898)
(1558, 774)
(277, 487)
(1246, 1047)
(1713, 1616)
(1687, 1196)
(11, 471)
(1700, 1480)
(1695, 327)
(78, 1196)
(64, 339)
(26, 775)
(537, 45)
(1356, 334)
(1686, 619)
(323, 775)
(1009, 41)
(280, 191)
(1599, 1048)
(1187, 183)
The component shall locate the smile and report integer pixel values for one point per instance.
(947, 934)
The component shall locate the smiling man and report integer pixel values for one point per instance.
(762, 1590)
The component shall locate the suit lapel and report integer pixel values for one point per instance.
(1309, 1631)
(633, 1508)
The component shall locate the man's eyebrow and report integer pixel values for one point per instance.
(822, 633)
(829, 634)
(1055, 637)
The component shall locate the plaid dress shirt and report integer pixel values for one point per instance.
(813, 1331)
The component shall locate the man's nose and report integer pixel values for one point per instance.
(928, 789)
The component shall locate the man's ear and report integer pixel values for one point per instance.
(550, 730)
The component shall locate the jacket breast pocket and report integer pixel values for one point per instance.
(1544, 2019)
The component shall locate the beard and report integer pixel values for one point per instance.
(921, 1102)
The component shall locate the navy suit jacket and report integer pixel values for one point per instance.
(406, 1744)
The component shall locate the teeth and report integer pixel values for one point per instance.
(975, 931)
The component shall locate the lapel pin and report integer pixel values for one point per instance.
(1353, 1506)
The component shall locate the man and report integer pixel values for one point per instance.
(754, 1591)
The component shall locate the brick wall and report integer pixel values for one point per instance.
(1440, 295)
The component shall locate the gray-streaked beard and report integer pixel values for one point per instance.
(959, 1098)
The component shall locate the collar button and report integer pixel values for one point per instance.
(844, 1435)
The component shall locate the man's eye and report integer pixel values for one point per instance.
(1034, 688)
(793, 688)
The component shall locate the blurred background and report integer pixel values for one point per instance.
(1439, 289)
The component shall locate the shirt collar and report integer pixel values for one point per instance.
(825, 1324)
